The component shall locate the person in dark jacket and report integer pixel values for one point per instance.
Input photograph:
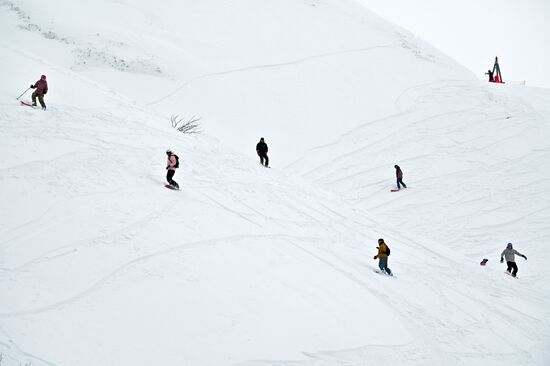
(172, 163)
(382, 257)
(41, 87)
(261, 149)
(399, 175)
(510, 254)
(491, 78)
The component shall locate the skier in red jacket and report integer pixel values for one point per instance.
(41, 87)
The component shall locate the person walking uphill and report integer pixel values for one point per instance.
(509, 253)
(382, 256)
(261, 149)
(172, 164)
(399, 175)
(41, 87)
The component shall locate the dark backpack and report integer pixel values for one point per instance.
(388, 251)
(177, 161)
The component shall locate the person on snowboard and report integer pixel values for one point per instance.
(261, 149)
(171, 165)
(382, 257)
(41, 87)
(399, 175)
(509, 253)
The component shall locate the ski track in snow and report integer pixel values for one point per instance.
(267, 66)
(127, 265)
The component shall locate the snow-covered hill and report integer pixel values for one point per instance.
(100, 265)
(283, 69)
(474, 158)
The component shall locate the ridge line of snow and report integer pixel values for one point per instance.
(268, 66)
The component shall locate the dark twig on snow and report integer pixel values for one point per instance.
(188, 126)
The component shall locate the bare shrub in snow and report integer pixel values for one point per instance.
(188, 126)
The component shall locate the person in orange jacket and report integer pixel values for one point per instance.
(382, 256)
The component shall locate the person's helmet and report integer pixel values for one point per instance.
(380, 241)
(43, 77)
(169, 151)
(396, 166)
(509, 245)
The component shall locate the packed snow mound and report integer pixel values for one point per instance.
(101, 265)
(282, 69)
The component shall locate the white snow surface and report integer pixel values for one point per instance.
(101, 265)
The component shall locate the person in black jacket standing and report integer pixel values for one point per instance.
(399, 176)
(261, 149)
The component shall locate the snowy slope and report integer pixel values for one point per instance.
(100, 265)
(105, 252)
(279, 69)
(473, 156)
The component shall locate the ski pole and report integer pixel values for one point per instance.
(23, 93)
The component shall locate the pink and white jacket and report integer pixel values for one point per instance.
(171, 163)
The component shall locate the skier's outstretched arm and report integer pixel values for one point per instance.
(521, 255)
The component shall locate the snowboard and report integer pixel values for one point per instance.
(265, 166)
(397, 190)
(509, 274)
(171, 187)
(383, 273)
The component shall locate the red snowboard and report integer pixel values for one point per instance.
(171, 187)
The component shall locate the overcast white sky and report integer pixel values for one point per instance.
(473, 32)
